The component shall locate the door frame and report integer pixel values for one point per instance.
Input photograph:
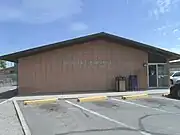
(156, 64)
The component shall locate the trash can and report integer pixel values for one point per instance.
(120, 83)
(133, 82)
(117, 83)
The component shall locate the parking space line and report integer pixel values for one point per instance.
(140, 105)
(23, 123)
(6, 101)
(106, 118)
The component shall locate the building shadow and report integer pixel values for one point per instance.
(8, 94)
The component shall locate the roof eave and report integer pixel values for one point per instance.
(10, 59)
(15, 56)
(173, 57)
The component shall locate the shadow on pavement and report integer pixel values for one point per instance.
(8, 94)
(171, 97)
(98, 130)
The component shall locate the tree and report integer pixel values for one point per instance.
(2, 64)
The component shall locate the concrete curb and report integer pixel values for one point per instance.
(136, 96)
(75, 96)
(23, 123)
(41, 101)
(91, 99)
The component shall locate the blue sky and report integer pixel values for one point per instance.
(30, 23)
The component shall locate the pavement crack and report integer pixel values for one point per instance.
(84, 113)
(107, 104)
(142, 127)
(160, 106)
(98, 130)
(176, 106)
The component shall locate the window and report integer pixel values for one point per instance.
(177, 74)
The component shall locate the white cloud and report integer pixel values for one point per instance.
(168, 28)
(164, 33)
(163, 5)
(175, 30)
(39, 11)
(162, 28)
(160, 7)
(178, 38)
(155, 13)
(78, 26)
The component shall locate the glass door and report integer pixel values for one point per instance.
(163, 78)
(152, 71)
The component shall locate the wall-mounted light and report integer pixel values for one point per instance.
(144, 64)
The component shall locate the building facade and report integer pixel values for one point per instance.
(90, 65)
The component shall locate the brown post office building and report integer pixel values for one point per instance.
(89, 64)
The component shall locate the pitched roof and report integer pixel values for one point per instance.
(13, 57)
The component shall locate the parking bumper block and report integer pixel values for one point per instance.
(136, 96)
(92, 99)
(41, 101)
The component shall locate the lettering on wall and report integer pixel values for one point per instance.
(94, 62)
(89, 62)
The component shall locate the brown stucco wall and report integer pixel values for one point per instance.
(61, 70)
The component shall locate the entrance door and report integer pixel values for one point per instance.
(158, 75)
(152, 75)
(163, 78)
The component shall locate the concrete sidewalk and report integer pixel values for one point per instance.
(7, 88)
(155, 91)
(9, 123)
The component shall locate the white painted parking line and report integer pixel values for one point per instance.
(105, 117)
(6, 101)
(24, 125)
(140, 105)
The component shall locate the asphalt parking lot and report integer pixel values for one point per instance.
(154, 115)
